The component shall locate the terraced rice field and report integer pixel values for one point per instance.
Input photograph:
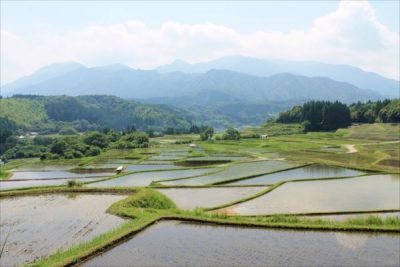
(236, 171)
(191, 198)
(301, 187)
(146, 178)
(37, 226)
(314, 171)
(210, 245)
(375, 192)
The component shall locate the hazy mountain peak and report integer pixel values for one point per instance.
(42, 75)
(265, 68)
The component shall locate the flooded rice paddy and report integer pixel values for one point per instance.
(308, 172)
(236, 171)
(344, 217)
(60, 174)
(218, 158)
(173, 243)
(6, 185)
(145, 178)
(190, 198)
(44, 167)
(375, 192)
(149, 167)
(36, 226)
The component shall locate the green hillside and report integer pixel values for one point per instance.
(24, 112)
(51, 113)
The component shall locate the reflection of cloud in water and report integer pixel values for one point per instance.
(351, 241)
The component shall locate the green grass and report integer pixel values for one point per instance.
(273, 129)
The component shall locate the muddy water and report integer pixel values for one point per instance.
(236, 171)
(5, 185)
(373, 192)
(186, 244)
(44, 167)
(190, 198)
(149, 167)
(28, 175)
(308, 172)
(38, 226)
(145, 178)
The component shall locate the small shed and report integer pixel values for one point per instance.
(263, 136)
(119, 169)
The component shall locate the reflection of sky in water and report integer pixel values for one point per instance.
(145, 178)
(4, 185)
(351, 241)
(190, 198)
(236, 171)
(308, 172)
(171, 243)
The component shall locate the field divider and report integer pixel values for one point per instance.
(65, 189)
(134, 172)
(263, 192)
(328, 178)
(324, 213)
(279, 225)
(220, 169)
(256, 175)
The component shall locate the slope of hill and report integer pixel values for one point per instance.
(264, 68)
(97, 111)
(42, 75)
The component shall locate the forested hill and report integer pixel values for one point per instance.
(328, 116)
(51, 113)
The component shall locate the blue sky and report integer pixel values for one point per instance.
(58, 16)
(147, 34)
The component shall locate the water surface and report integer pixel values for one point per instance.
(37, 226)
(29, 175)
(5, 185)
(375, 192)
(186, 244)
(148, 167)
(190, 198)
(308, 172)
(236, 171)
(145, 178)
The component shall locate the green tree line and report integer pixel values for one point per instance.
(328, 116)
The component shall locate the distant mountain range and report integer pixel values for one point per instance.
(264, 68)
(236, 90)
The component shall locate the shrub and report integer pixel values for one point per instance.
(74, 183)
(68, 131)
(96, 139)
(93, 151)
(231, 134)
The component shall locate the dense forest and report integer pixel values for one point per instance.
(50, 114)
(328, 116)
(89, 144)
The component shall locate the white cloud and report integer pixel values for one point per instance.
(350, 35)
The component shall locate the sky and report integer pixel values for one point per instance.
(147, 34)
